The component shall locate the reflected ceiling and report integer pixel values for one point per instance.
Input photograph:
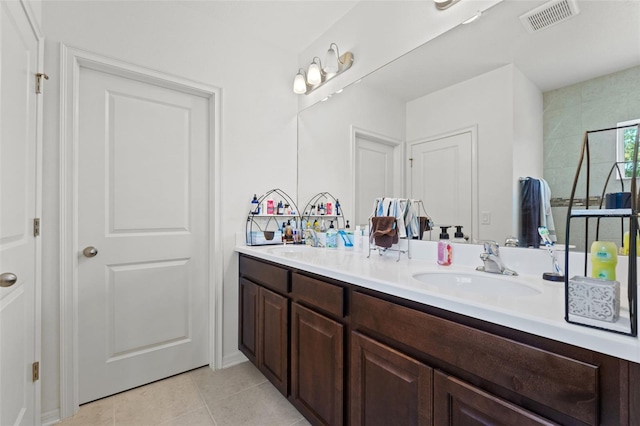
(569, 52)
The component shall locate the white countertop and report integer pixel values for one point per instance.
(540, 314)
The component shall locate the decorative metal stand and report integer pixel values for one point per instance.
(627, 325)
(265, 229)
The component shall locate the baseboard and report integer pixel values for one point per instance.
(50, 417)
(232, 359)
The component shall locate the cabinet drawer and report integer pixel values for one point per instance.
(562, 383)
(320, 294)
(270, 276)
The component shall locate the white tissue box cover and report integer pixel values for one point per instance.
(594, 298)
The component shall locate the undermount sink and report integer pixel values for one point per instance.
(481, 284)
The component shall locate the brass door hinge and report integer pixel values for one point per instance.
(39, 77)
(35, 371)
(36, 227)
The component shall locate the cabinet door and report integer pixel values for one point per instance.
(248, 316)
(273, 356)
(317, 362)
(388, 387)
(458, 403)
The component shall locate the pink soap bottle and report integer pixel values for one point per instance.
(445, 251)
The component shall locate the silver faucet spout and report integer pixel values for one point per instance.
(492, 261)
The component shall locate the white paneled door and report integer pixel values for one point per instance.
(143, 258)
(376, 174)
(18, 198)
(441, 176)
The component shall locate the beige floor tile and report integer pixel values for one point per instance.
(97, 413)
(261, 405)
(219, 384)
(199, 417)
(158, 402)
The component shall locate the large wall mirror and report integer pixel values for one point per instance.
(460, 120)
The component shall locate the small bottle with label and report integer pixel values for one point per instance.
(280, 210)
(270, 207)
(338, 210)
(254, 206)
(328, 209)
(604, 258)
(445, 251)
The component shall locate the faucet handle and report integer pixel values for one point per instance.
(491, 247)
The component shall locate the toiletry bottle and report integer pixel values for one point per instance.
(254, 206)
(308, 235)
(445, 251)
(624, 250)
(328, 209)
(332, 237)
(282, 231)
(270, 207)
(347, 226)
(458, 237)
(316, 225)
(313, 210)
(287, 209)
(321, 209)
(357, 239)
(288, 232)
(323, 226)
(338, 211)
(280, 208)
(604, 258)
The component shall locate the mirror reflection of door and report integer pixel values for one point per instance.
(441, 176)
(377, 172)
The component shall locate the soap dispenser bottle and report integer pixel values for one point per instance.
(458, 237)
(445, 251)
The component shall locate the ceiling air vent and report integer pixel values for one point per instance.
(549, 14)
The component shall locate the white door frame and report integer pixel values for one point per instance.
(72, 60)
(398, 155)
(473, 129)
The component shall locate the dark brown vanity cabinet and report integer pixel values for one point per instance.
(354, 356)
(264, 320)
(388, 387)
(317, 350)
(458, 403)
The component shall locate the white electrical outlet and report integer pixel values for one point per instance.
(485, 218)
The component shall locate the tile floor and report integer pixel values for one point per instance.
(236, 396)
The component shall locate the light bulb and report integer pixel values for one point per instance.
(314, 76)
(331, 61)
(299, 85)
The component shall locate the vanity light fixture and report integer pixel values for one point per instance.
(317, 74)
(300, 82)
(444, 4)
(314, 73)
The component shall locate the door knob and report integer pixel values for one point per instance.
(90, 251)
(8, 279)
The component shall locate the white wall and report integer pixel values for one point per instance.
(377, 32)
(489, 101)
(258, 124)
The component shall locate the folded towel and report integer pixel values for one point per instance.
(384, 231)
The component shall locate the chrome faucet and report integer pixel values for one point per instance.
(492, 261)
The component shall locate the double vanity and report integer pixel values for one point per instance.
(377, 341)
